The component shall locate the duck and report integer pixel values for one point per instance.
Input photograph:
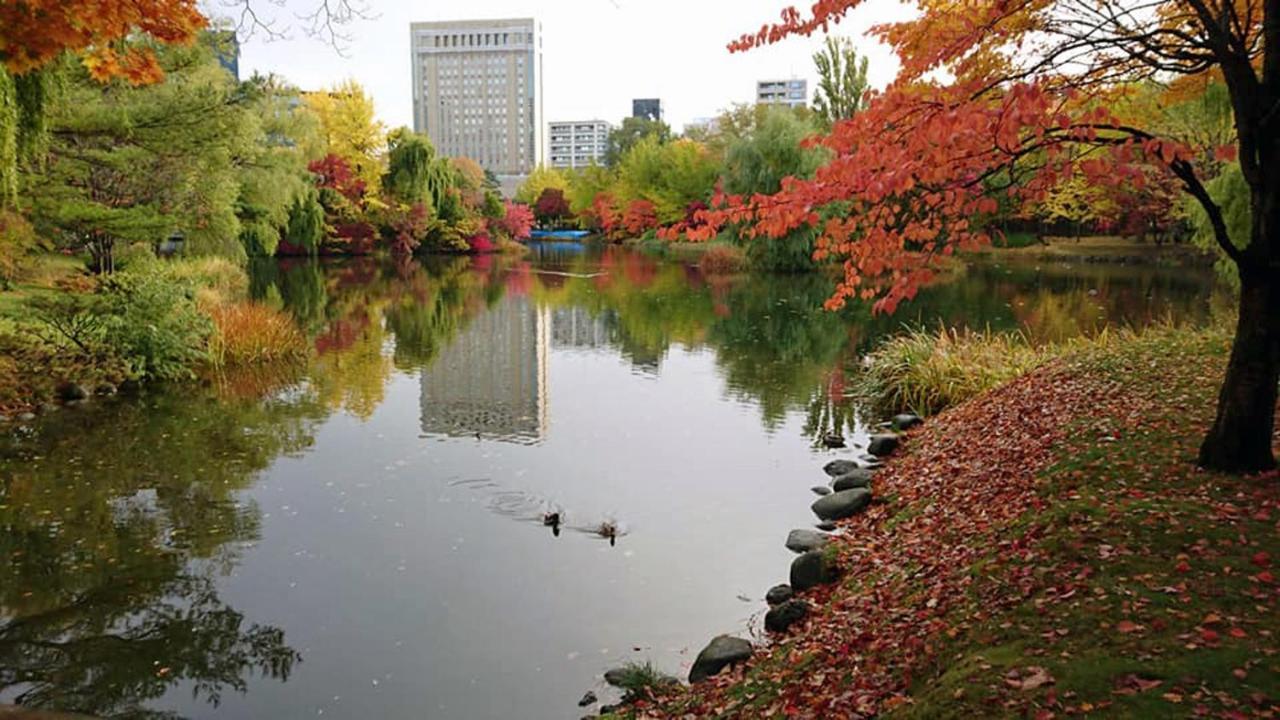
(609, 530)
(552, 520)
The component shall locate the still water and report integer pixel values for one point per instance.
(365, 540)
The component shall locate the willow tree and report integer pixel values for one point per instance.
(1029, 90)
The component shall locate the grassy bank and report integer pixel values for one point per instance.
(66, 334)
(1097, 249)
(1045, 549)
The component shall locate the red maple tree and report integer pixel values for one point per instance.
(1028, 101)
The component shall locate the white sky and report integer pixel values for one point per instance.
(597, 54)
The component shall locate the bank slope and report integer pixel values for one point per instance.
(1045, 550)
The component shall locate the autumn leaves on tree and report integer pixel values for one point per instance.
(1034, 97)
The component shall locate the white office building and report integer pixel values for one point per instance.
(576, 144)
(477, 91)
(792, 93)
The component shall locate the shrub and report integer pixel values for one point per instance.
(214, 279)
(926, 372)
(135, 257)
(152, 323)
(638, 678)
(722, 259)
(18, 241)
(247, 333)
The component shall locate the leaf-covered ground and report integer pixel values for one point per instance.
(1046, 550)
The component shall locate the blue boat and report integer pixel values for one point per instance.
(559, 234)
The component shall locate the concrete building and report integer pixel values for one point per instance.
(791, 93)
(477, 91)
(650, 108)
(575, 144)
(491, 380)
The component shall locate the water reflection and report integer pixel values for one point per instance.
(581, 388)
(115, 524)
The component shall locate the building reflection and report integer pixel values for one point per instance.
(491, 379)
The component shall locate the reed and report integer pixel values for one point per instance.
(247, 333)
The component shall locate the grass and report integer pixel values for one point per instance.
(247, 333)
(638, 679)
(926, 372)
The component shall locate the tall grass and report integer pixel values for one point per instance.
(247, 333)
(926, 371)
(216, 280)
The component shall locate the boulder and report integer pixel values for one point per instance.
(843, 504)
(882, 445)
(69, 391)
(811, 570)
(778, 594)
(839, 467)
(802, 541)
(588, 699)
(720, 653)
(781, 618)
(859, 478)
(833, 441)
(825, 526)
(906, 421)
(821, 490)
(616, 676)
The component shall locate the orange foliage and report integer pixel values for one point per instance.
(34, 32)
(916, 176)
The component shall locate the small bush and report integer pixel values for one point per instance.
(214, 279)
(638, 678)
(722, 259)
(926, 372)
(247, 333)
(136, 257)
(18, 243)
(152, 323)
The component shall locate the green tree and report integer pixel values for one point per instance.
(670, 175)
(842, 81)
(630, 133)
(540, 179)
(135, 164)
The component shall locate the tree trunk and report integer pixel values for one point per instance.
(1241, 437)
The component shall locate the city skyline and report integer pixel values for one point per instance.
(623, 36)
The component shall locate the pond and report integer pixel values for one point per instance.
(366, 540)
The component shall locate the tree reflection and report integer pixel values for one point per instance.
(115, 523)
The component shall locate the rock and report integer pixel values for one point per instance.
(616, 676)
(859, 478)
(27, 417)
(811, 570)
(840, 505)
(821, 490)
(106, 389)
(839, 467)
(802, 541)
(607, 709)
(869, 462)
(906, 421)
(778, 594)
(722, 652)
(882, 445)
(833, 441)
(588, 699)
(70, 391)
(781, 618)
(130, 387)
(826, 526)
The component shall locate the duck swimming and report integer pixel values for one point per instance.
(552, 520)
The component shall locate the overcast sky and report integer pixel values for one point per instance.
(597, 54)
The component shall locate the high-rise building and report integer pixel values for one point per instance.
(226, 47)
(575, 144)
(649, 108)
(792, 93)
(477, 91)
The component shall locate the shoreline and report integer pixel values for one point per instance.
(1044, 549)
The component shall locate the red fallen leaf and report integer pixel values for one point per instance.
(1183, 566)
(1035, 677)
(1265, 577)
(1127, 626)
(1211, 619)
(1236, 632)
(1209, 636)
(1262, 559)
(1240, 673)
